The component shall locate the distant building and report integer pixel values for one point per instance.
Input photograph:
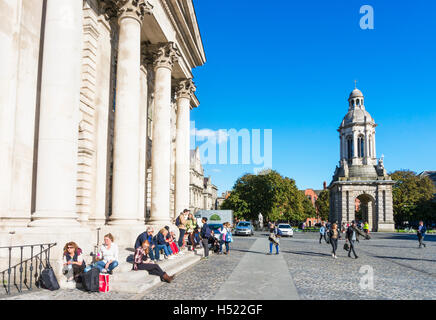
(220, 200)
(313, 195)
(203, 194)
(431, 175)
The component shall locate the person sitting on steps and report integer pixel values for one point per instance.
(74, 264)
(143, 262)
(108, 255)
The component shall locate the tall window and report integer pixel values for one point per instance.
(361, 146)
(350, 148)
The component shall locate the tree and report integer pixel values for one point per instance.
(323, 204)
(412, 197)
(276, 197)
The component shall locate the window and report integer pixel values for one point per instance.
(350, 148)
(361, 147)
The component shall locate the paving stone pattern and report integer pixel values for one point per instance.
(401, 270)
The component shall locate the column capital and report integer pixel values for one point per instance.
(136, 9)
(161, 55)
(185, 89)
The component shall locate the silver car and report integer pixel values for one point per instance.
(286, 230)
(244, 228)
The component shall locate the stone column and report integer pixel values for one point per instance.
(59, 113)
(184, 93)
(125, 188)
(103, 109)
(24, 136)
(143, 104)
(164, 60)
(10, 15)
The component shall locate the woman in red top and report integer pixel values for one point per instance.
(143, 262)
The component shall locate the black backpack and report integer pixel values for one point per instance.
(178, 221)
(91, 280)
(47, 279)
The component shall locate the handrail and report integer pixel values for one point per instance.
(36, 257)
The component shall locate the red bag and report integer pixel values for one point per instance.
(104, 283)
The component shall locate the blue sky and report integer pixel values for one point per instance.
(289, 66)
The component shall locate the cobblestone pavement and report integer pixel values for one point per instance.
(199, 282)
(203, 280)
(401, 270)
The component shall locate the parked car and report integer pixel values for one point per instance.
(244, 228)
(286, 230)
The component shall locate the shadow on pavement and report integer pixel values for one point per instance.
(309, 253)
(403, 258)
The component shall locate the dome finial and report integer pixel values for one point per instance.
(355, 84)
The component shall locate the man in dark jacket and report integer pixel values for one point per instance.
(147, 235)
(421, 233)
(352, 235)
(206, 233)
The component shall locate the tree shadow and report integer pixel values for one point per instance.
(308, 253)
(403, 258)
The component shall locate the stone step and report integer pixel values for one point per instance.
(135, 282)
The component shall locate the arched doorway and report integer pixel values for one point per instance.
(365, 211)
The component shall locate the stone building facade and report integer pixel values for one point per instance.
(359, 174)
(95, 116)
(203, 194)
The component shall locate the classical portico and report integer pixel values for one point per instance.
(360, 184)
(94, 91)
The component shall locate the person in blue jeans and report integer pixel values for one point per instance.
(161, 243)
(421, 234)
(108, 255)
(147, 235)
(274, 236)
(226, 237)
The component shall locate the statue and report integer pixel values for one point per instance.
(260, 217)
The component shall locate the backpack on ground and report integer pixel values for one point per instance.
(47, 279)
(91, 280)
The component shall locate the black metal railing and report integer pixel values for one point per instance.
(26, 267)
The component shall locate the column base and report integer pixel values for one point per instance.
(386, 227)
(123, 222)
(42, 222)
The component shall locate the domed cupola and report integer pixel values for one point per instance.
(357, 133)
(356, 110)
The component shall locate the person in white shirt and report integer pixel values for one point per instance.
(107, 255)
(225, 230)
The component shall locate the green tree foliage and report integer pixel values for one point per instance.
(215, 217)
(413, 197)
(276, 197)
(323, 204)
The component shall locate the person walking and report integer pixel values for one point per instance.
(334, 236)
(322, 232)
(181, 224)
(206, 233)
(352, 235)
(421, 234)
(274, 235)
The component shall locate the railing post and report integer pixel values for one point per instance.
(9, 271)
(31, 266)
(21, 270)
